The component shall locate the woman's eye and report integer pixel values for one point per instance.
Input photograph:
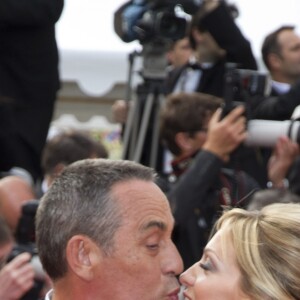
(206, 266)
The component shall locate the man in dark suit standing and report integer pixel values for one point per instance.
(29, 80)
(281, 56)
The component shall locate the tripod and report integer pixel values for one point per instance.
(141, 136)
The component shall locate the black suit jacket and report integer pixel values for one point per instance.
(276, 107)
(29, 76)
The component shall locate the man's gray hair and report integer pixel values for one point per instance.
(79, 202)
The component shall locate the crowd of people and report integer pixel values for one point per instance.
(216, 219)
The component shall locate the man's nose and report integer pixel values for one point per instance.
(173, 262)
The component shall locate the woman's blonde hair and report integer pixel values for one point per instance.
(267, 246)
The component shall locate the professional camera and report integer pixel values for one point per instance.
(156, 24)
(25, 242)
(265, 133)
(145, 20)
(240, 86)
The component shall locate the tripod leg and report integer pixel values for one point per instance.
(155, 135)
(144, 126)
(130, 132)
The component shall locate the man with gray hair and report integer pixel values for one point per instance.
(104, 232)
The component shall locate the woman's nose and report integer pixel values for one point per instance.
(187, 278)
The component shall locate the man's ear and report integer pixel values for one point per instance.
(58, 169)
(183, 141)
(274, 61)
(83, 256)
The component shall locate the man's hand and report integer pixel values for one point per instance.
(120, 111)
(16, 278)
(227, 134)
(284, 154)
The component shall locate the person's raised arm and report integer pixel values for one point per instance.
(225, 135)
(283, 156)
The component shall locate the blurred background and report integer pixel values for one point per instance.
(85, 31)
(94, 61)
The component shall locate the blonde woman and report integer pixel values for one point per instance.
(254, 255)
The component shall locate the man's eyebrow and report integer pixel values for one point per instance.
(158, 224)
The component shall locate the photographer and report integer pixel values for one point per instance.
(177, 55)
(199, 185)
(216, 40)
(17, 276)
(281, 56)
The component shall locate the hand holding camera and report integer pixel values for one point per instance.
(283, 156)
(16, 277)
(225, 135)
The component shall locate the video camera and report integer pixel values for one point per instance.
(156, 24)
(25, 242)
(145, 20)
(240, 86)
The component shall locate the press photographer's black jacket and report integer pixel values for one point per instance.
(196, 197)
(276, 107)
(279, 108)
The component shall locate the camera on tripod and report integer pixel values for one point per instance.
(156, 24)
(25, 242)
(145, 20)
(240, 86)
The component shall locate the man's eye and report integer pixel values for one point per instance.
(152, 246)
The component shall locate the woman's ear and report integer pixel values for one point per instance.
(83, 255)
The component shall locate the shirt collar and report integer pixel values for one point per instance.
(49, 295)
(281, 87)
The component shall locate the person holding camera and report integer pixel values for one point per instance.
(216, 41)
(14, 193)
(16, 276)
(198, 187)
(177, 55)
(281, 56)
